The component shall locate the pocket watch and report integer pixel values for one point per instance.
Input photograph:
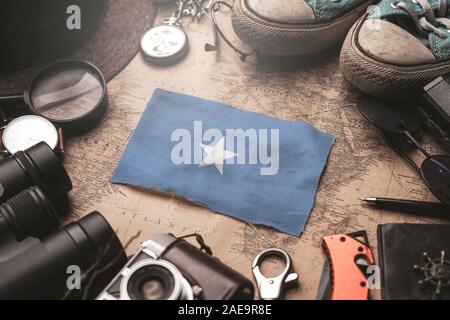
(166, 43)
(26, 131)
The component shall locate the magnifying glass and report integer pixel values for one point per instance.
(72, 94)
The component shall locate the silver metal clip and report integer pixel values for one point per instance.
(272, 288)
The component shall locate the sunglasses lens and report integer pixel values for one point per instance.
(389, 116)
(436, 172)
(398, 141)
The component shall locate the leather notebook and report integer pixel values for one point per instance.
(414, 261)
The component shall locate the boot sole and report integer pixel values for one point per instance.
(290, 39)
(381, 79)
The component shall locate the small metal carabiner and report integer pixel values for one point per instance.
(272, 288)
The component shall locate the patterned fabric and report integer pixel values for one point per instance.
(385, 8)
(438, 41)
(250, 166)
(328, 10)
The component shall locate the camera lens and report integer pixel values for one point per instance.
(29, 214)
(155, 280)
(151, 283)
(38, 165)
(152, 289)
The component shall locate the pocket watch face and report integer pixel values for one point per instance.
(164, 42)
(27, 131)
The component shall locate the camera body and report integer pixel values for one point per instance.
(170, 268)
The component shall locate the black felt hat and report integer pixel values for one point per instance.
(34, 33)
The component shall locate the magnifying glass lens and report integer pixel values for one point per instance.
(67, 93)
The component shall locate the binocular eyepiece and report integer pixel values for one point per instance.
(29, 214)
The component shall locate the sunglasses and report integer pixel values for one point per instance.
(402, 128)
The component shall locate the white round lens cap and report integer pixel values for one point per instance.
(27, 131)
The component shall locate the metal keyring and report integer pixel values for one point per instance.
(272, 288)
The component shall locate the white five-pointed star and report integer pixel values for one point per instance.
(216, 155)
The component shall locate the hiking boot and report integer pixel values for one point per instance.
(397, 47)
(295, 27)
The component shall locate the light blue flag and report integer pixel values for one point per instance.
(250, 166)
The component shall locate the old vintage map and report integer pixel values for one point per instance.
(307, 89)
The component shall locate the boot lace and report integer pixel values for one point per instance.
(431, 20)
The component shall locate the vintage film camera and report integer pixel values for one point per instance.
(170, 268)
(34, 253)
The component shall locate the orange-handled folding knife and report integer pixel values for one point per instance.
(344, 274)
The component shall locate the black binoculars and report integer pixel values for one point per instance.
(37, 259)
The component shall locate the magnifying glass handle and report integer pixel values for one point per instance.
(12, 102)
(17, 98)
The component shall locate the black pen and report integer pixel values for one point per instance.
(418, 208)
